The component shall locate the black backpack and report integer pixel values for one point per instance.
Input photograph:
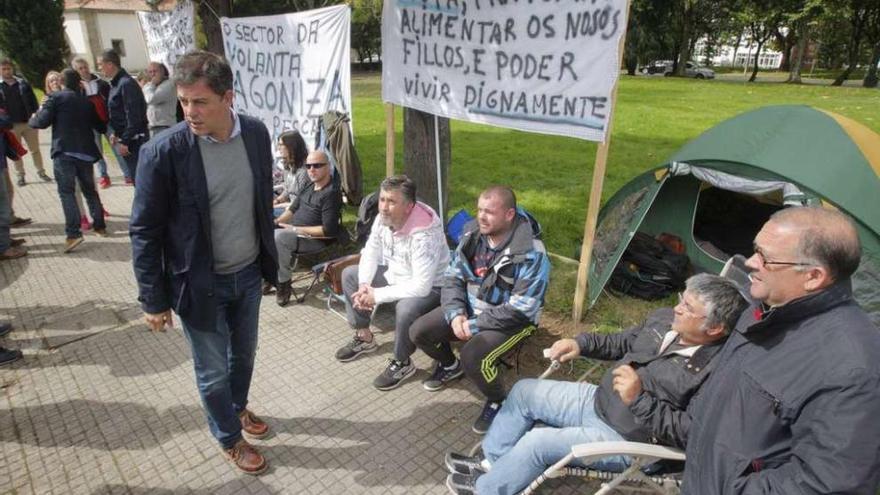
(367, 212)
(649, 270)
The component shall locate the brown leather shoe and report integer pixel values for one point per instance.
(252, 425)
(13, 252)
(246, 458)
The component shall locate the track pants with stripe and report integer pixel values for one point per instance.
(479, 355)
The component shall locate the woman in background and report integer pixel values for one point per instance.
(293, 151)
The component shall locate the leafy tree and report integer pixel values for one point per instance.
(858, 14)
(761, 18)
(872, 34)
(32, 35)
(801, 18)
(366, 28)
(648, 34)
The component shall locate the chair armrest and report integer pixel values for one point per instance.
(597, 450)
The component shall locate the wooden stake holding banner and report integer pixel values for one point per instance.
(389, 140)
(580, 293)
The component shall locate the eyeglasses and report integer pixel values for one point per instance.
(687, 307)
(765, 262)
(315, 165)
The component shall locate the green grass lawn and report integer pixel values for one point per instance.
(551, 175)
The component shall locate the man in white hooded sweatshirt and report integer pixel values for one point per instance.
(403, 263)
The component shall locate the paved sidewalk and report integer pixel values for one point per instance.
(101, 405)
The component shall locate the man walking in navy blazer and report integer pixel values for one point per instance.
(202, 240)
(73, 119)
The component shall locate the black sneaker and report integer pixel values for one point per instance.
(44, 176)
(21, 182)
(462, 484)
(354, 348)
(441, 376)
(458, 463)
(394, 375)
(9, 356)
(283, 292)
(484, 420)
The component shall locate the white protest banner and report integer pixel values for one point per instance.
(169, 34)
(545, 66)
(289, 69)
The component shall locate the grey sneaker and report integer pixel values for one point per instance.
(462, 484)
(354, 348)
(394, 375)
(441, 376)
(459, 463)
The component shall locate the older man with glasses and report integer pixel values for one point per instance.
(310, 223)
(660, 366)
(794, 404)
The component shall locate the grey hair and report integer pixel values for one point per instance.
(201, 65)
(79, 60)
(401, 183)
(827, 238)
(723, 301)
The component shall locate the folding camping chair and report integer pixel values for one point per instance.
(332, 249)
(663, 481)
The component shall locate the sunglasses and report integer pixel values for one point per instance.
(315, 165)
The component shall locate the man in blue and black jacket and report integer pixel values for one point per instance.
(128, 112)
(492, 296)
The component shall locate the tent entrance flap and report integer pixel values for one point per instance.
(618, 222)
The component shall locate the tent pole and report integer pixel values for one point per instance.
(389, 139)
(440, 210)
(580, 293)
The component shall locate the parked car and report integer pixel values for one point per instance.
(691, 69)
(657, 67)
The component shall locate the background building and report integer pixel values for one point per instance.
(92, 26)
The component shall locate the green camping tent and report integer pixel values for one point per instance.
(717, 190)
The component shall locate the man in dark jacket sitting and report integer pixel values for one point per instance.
(661, 364)
(73, 119)
(794, 406)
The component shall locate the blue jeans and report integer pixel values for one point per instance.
(5, 212)
(223, 357)
(68, 171)
(406, 310)
(102, 164)
(518, 453)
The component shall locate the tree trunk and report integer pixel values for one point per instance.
(419, 156)
(757, 56)
(736, 49)
(858, 24)
(785, 46)
(871, 78)
(208, 12)
(684, 41)
(794, 75)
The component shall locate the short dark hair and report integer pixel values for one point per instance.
(827, 237)
(70, 79)
(504, 193)
(201, 65)
(722, 298)
(6, 61)
(112, 57)
(296, 146)
(401, 183)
